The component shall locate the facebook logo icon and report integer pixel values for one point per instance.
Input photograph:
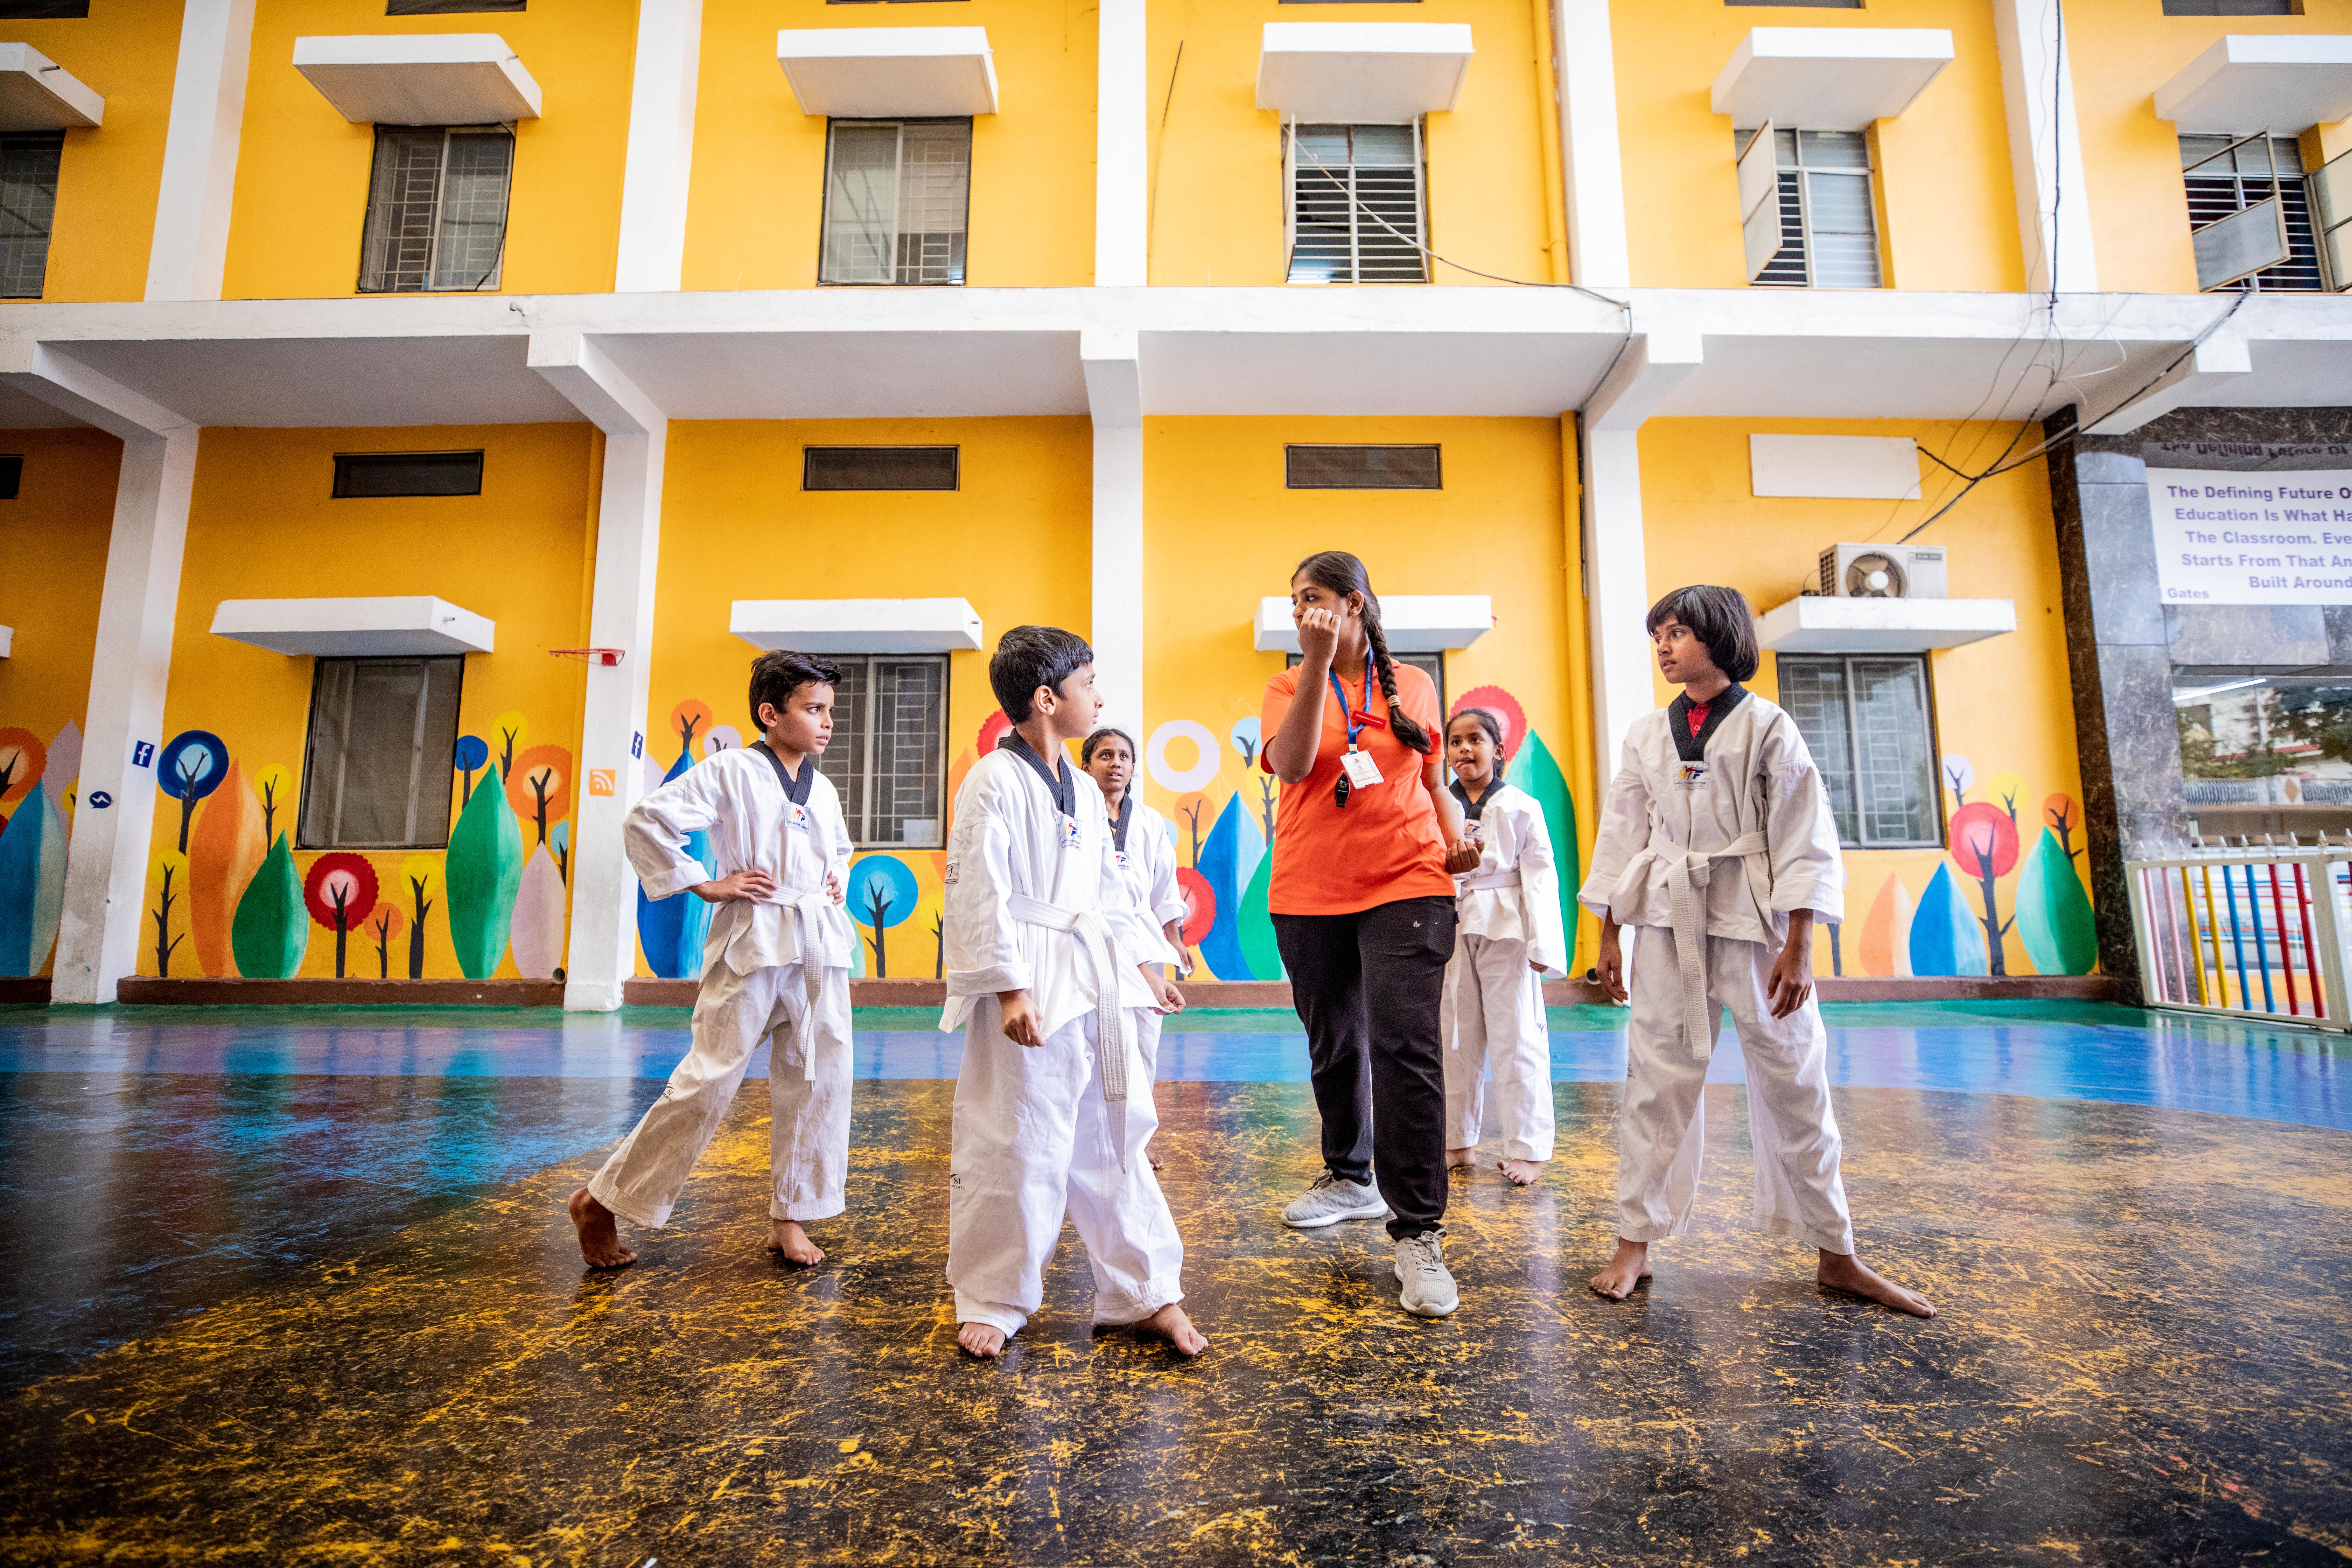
(142, 753)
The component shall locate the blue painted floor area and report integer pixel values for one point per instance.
(154, 1161)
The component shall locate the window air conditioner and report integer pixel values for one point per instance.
(1883, 572)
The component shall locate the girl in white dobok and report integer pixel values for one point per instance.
(1145, 851)
(1511, 939)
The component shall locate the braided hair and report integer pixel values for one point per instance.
(1342, 573)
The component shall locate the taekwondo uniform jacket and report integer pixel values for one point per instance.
(736, 798)
(1148, 871)
(1514, 895)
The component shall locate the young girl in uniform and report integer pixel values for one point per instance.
(1716, 844)
(1510, 941)
(1146, 853)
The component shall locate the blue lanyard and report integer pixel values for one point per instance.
(1347, 717)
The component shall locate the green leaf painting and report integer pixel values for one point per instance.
(485, 872)
(1536, 771)
(271, 928)
(2054, 913)
(1258, 947)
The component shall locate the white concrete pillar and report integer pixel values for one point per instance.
(1115, 396)
(602, 954)
(106, 859)
(661, 147)
(2045, 149)
(1122, 163)
(190, 248)
(1590, 164)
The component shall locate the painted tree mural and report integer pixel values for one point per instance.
(882, 894)
(472, 753)
(270, 930)
(190, 768)
(1984, 843)
(387, 926)
(2061, 814)
(423, 875)
(339, 892)
(510, 728)
(22, 760)
(1246, 737)
(484, 873)
(165, 943)
(540, 788)
(224, 852)
(275, 787)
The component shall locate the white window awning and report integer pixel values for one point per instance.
(355, 629)
(859, 626)
(1838, 468)
(1821, 624)
(882, 73)
(1414, 623)
(419, 78)
(1829, 78)
(1362, 73)
(39, 94)
(2284, 83)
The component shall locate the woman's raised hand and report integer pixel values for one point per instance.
(1318, 636)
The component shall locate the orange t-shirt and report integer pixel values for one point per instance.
(1384, 844)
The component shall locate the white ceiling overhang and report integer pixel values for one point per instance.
(1414, 623)
(8, 641)
(859, 626)
(1362, 73)
(1829, 78)
(2284, 83)
(419, 78)
(881, 73)
(1822, 623)
(39, 94)
(355, 629)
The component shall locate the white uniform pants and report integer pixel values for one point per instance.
(1495, 1017)
(808, 1140)
(1032, 1142)
(1660, 1131)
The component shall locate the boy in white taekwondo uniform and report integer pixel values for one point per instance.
(1510, 941)
(1717, 844)
(1052, 1106)
(1146, 853)
(776, 964)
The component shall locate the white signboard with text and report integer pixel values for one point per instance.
(2259, 537)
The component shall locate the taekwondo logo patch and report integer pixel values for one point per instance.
(948, 876)
(797, 816)
(1690, 775)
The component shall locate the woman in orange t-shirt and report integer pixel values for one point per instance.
(1366, 839)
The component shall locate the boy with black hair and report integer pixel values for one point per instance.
(1717, 844)
(1052, 1104)
(776, 964)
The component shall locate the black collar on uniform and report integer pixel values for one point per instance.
(796, 790)
(1065, 797)
(1692, 748)
(1471, 808)
(1126, 815)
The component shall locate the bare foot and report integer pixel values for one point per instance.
(1153, 1155)
(785, 1235)
(1627, 1269)
(1457, 1158)
(982, 1340)
(1170, 1323)
(1845, 1271)
(600, 1238)
(1523, 1173)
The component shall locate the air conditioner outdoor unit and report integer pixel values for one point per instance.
(1883, 572)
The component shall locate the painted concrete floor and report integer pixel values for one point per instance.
(294, 1286)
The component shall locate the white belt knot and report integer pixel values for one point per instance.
(1688, 871)
(804, 909)
(1110, 1018)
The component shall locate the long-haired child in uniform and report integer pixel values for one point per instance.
(1048, 977)
(1510, 939)
(1718, 845)
(1146, 852)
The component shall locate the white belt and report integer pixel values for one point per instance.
(1476, 884)
(1110, 1018)
(1688, 872)
(804, 909)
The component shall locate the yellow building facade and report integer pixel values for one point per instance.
(363, 362)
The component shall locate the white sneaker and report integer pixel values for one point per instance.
(1331, 1200)
(1423, 1286)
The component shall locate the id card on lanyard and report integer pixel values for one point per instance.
(1358, 770)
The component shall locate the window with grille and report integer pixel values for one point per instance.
(898, 194)
(447, 8)
(28, 205)
(887, 758)
(1806, 209)
(12, 476)
(2249, 214)
(1306, 468)
(437, 208)
(361, 476)
(1357, 205)
(880, 468)
(1866, 722)
(382, 731)
(44, 10)
(2233, 7)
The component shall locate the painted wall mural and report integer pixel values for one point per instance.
(37, 792)
(241, 900)
(1979, 893)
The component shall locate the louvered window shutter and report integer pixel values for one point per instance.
(2328, 189)
(1760, 204)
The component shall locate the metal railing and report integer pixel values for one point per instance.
(2246, 929)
